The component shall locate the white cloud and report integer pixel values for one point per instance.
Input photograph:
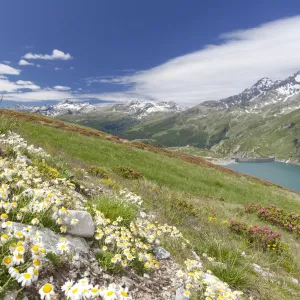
(41, 95)
(56, 55)
(61, 88)
(24, 62)
(57, 69)
(221, 70)
(7, 62)
(27, 85)
(8, 70)
(10, 86)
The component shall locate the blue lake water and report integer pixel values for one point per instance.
(287, 175)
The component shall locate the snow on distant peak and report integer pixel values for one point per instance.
(297, 77)
(143, 109)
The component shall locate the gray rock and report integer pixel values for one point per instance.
(294, 280)
(85, 226)
(49, 239)
(161, 253)
(143, 214)
(11, 295)
(180, 294)
(127, 282)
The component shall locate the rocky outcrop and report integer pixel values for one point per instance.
(49, 239)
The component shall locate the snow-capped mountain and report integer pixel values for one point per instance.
(133, 108)
(284, 93)
(62, 108)
(143, 109)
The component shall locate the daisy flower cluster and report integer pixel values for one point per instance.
(28, 197)
(130, 197)
(17, 144)
(22, 257)
(82, 289)
(195, 279)
(128, 243)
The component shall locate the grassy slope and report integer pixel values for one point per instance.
(169, 182)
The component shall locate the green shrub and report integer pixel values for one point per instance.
(127, 172)
(97, 171)
(113, 208)
(7, 124)
(104, 258)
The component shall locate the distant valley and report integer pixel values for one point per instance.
(263, 120)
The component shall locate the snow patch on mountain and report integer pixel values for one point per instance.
(143, 109)
(134, 108)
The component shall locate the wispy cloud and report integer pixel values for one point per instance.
(8, 86)
(56, 55)
(24, 62)
(221, 70)
(61, 88)
(57, 69)
(8, 70)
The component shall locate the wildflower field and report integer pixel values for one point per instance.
(88, 218)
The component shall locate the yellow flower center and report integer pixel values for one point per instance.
(47, 288)
(94, 290)
(110, 293)
(7, 260)
(36, 262)
(35, 248)
(20, 249)
(124, 294)
(27, 276)
(74, 291)
(19, 256)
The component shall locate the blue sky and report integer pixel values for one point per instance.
(182, 51)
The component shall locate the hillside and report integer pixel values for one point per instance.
(247, 124)
(203, 201)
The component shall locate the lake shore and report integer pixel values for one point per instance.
(222, 161)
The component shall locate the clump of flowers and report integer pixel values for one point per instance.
(262, 237)
(276, 216)
(82, 289)
(22, 257)
(131, 245)
(197, 281)
(130, 197)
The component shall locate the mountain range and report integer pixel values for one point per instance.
(262, 120)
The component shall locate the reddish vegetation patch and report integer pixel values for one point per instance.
(99, 134)
(262, 237)
(276, 216)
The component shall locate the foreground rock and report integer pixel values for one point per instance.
(85, 226)
(161, 253)
(49, 239)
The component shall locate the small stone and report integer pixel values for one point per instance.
(85, 226)
(11, 295)
(143, 214)
(294, 280)
(161, 253)
(180, 294)
(146, 276)
(127, 282)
